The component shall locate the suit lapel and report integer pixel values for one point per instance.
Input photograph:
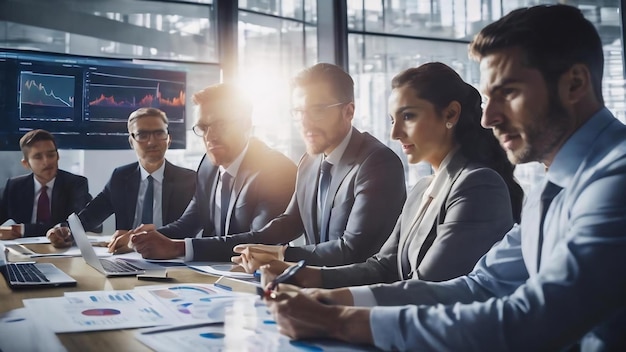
(29, 191)
(166, 192)
(341, 170)
(306, 192)
(453, 170)
(410, 215)
(132, 191)
(57, 191)
(240, 180)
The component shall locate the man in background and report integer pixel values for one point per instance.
(242, 183)
(45, 197)
(150, 191)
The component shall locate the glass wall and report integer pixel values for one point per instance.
(386, 37)
(276, 40)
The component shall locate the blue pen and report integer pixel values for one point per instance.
(286, 275)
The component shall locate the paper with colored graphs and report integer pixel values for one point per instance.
(144, 306)
(99, 310)
(248, 326)
(194, 302)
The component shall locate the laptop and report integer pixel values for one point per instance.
(107, 266)
(31, 275)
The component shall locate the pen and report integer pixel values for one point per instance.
(286, 275)
(179, 327)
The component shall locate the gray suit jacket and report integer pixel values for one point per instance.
(261, 191)
(473, 213)
(365, 199)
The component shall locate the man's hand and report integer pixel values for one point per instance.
(301, 315)
(120, 241)
(254, 255)
(60, 237)
(306, 277)
(10, 232)
(154, 245)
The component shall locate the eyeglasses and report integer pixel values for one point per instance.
(144, 136)
(313, 112)
(217, 127)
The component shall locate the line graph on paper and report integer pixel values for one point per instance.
(47, 90)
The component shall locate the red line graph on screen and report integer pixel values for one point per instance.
(146, 100)
(37, 94)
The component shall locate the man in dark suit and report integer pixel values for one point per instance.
(150, 191)
(46, 196)
(242, 183)
(364, 195)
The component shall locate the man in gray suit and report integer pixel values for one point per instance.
(364, 195)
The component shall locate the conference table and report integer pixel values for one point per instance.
(88, 279)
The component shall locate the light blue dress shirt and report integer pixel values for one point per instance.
(507, 303)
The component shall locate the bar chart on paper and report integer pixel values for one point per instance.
(100, 310)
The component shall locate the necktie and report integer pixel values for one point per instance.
(321, 200)
(148, 199)
(43, 206)
(548, 194)
(225, 194)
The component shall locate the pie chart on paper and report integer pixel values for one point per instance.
(101, 312)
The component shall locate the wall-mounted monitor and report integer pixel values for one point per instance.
(85, 101)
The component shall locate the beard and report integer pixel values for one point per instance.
(544, 135)
(316, 146)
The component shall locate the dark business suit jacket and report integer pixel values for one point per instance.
(119, 196)
(70, 194)
(458, 227)
(364, 201)
(261, 190)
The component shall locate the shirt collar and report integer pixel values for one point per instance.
(337, 153)
(38, 185)
(233, 168)
(157, 175)
(441, 174)
(576, 148)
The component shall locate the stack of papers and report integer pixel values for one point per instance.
(177, 317)
(142, 307)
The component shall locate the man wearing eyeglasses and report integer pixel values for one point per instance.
(346, 222)
(46, 196)
(242, 183)
(350, 188)
(150, 191)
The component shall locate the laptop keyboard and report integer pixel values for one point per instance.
(118, 266)
(25, 273)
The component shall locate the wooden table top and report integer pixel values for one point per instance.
(89, 279)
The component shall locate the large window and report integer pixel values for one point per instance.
(276, 40)
(386, 37)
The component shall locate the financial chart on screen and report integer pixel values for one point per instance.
(85, 101)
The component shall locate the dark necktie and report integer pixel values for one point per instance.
(43, 206)
(548, 194)
(148, 199)
(322, 194)
(225, 195)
